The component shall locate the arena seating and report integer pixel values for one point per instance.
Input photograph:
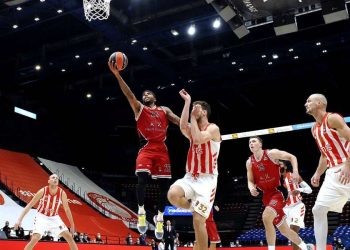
(24, 176)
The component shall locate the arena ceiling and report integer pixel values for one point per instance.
(247, 87)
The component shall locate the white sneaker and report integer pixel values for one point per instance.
(141, 223)
(158, 231)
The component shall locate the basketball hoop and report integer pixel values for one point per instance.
(96, 9)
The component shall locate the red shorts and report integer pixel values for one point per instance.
(213, 234)
(154, 159)
(275, 201)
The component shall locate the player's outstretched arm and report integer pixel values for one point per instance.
(134, 103)
(185, 127)
(34, 200)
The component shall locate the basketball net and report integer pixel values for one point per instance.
(96, 9)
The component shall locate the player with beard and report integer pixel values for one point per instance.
(153, 157)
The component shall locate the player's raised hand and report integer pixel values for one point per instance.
(186, 96)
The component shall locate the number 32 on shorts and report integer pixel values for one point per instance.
(201, 207)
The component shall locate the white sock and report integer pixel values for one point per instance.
(271, 247)
(160, 216)
(141, 210)
(302, 245)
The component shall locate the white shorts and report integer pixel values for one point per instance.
(201, 190)
(332, 193)
(295, 214)
(54, 224)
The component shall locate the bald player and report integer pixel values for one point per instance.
(332, 137)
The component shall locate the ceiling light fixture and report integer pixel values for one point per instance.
(191, 30)
(174, 32)
(217, 23)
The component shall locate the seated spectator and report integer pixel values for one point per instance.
(340, 245)
(76, 237)
(86, 238)
(138, 242)
(61, 239)
(81, 238)
(7, 229)
(128, 239)
(153, 245)
(161, 245)
(98, 239)
(142, 239)
(29, 235)
(177, 241)
(20, 232)
(238, 244)
(47, 236)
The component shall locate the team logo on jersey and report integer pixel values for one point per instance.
(155, 114)
(199, 150)
(273, 203)
(167, 168)
(112, 207)
(326, 148)
(261, 167)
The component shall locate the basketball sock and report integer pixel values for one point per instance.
(142, 179)
(271, 247)
(320, 226)
(141, 210)
(160, 216)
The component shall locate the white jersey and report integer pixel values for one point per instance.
(330, 143)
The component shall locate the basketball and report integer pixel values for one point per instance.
(120, 60)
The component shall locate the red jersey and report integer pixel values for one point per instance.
(202, 158)
(152, 124)
(49, 204)
(331, 145)
(266, 173)
(291, 186)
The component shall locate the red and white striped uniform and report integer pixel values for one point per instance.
(291, 186)
(202, 158)
(331, 145)
(49, 204)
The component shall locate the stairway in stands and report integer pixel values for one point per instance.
(254, 211)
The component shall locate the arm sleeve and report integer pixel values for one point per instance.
(304, 188)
